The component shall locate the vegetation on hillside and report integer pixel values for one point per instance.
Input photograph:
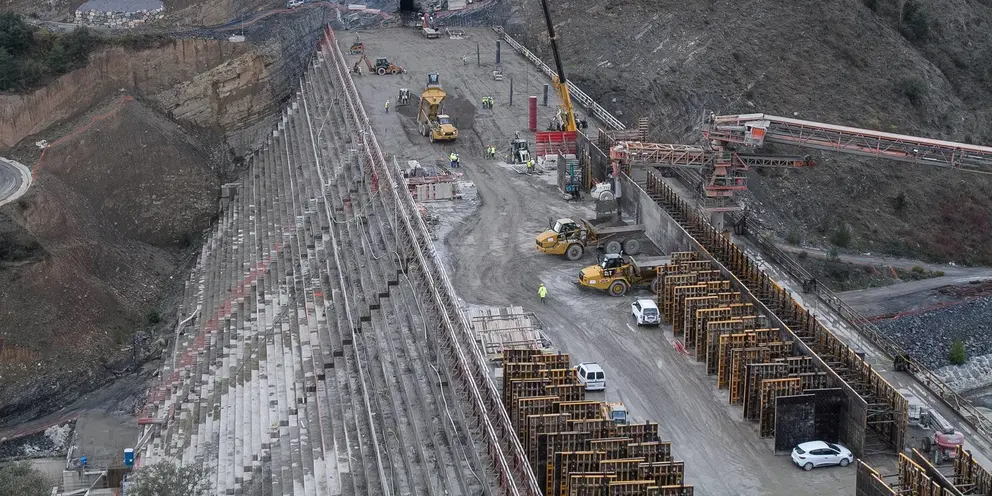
(30, 57)
(20, 479)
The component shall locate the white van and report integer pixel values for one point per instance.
(591, 375)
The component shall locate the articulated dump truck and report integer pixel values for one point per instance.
(570, 238)
(432, 122)
(616, 274)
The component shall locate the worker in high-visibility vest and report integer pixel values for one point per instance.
(454, 159)
(530, 165)
(542, 292)
(387, 105)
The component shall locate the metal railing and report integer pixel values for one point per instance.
(868, 330)
(574, 92)
(516, 478)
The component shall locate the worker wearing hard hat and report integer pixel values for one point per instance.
(387, 105)
(542, 292)
(530, 165)
(454, 159)
(491, 152)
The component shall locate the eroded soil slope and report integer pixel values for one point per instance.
(110, 212)
(925, 70)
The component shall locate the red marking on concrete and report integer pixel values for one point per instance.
(679, 347)
(123, 101)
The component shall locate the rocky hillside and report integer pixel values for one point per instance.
(913, 67)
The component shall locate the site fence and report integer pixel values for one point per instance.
(470, 370)
(868, 330)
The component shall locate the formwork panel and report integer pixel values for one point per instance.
(728, 342)
(594, 484)
(613, 447)
(680, 293)
(670, 491)
(663, 473)
(625, 468)
(648, 431)
(552, 361)
(520, 356)
(629, 488)
(581, 410)
(771, 389)
(537, 405)
(651, 451)
(692, 304)
(597, 428)
(870, 483)
(739, 360)
(757, 372)
(551, 443)
(537, 425)
(520, 389)
(668, 285)
(566, 392)
(566, 463)
(968, 472)
(710, 346)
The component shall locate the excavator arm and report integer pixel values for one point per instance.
(559, 80)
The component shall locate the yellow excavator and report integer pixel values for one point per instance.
(565, 119)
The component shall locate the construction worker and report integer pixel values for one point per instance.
(530, 166)
(454, 159)
(387, 105)
(542, 292)
(491, 152)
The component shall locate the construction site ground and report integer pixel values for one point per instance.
(488, 243)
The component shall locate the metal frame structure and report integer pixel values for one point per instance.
(469, 373)
(756, 129)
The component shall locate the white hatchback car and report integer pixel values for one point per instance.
(645, 312)
(591, 375)
(820, 454)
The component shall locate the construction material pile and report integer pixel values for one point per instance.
(580, 447)
(119, 13)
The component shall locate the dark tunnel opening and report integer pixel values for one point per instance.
(408, 6)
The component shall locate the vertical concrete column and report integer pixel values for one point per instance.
(533, 114)
(545, 95)
(497, 51)
(511, 91)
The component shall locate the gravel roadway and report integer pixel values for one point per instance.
(15, 179)
(493, 262)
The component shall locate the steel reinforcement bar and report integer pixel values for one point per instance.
(873, 334)
(574, 92)
(470, 371)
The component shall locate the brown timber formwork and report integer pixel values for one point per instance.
(669, 283)
(580, 410)
(571, 462)
(771, 389)
(708, 342)
(746, 339)
(968, 472)
(640, 433)
(693, 304)
(739, 360)
(552, 361)
(651, 451)
(629, 488)
(624, 468)
(613, 447)
(537, 425)
(523, 388)
(870, 482)
(535, 405)
(756, 373)
(885, 410)
(551, 443)
(566, 392)
(680, 293)
(670, 491)
(663, 473)
(598, 428)
(589, 484)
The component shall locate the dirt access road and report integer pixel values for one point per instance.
(15, 179)
(492, 261)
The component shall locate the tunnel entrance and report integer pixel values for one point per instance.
(408, 6)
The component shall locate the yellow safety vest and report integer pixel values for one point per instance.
(542, 291)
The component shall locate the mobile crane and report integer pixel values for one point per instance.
(565, 119)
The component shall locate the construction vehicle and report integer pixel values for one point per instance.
(564, 120)
(381, 66)
(519, 151)
(616, 412)
(404, 97)
(432, 121)
(942, 439)
(430, 32)
(616, 275)
(570, 238)
(357, 47)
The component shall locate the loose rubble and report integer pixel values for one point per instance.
(53, 441)
(119, 13)
(927, 337)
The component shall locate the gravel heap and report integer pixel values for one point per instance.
(53, 441)
(927, 336)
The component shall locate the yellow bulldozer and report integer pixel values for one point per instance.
(616, 274)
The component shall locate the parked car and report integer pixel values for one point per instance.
(821, 454)
(591, 375)
(646, 312)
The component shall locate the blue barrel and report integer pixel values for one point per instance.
(129, 457)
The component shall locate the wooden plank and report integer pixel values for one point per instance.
(740, 359)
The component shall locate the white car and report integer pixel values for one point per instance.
(821, 454)
(591, 375)
(645, 312)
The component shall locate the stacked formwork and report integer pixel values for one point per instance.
(872, 407)
(572, 445)
(917, 476)
(755, 363)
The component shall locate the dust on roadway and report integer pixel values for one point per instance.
(490, 254)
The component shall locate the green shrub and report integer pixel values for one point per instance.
(913, 88)
(793, 237)
(915, 24)
(918, 269)
(938, 273)
(153, 317)
(958, 355)
(899, 203)
(21, 479)
(842, 236)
